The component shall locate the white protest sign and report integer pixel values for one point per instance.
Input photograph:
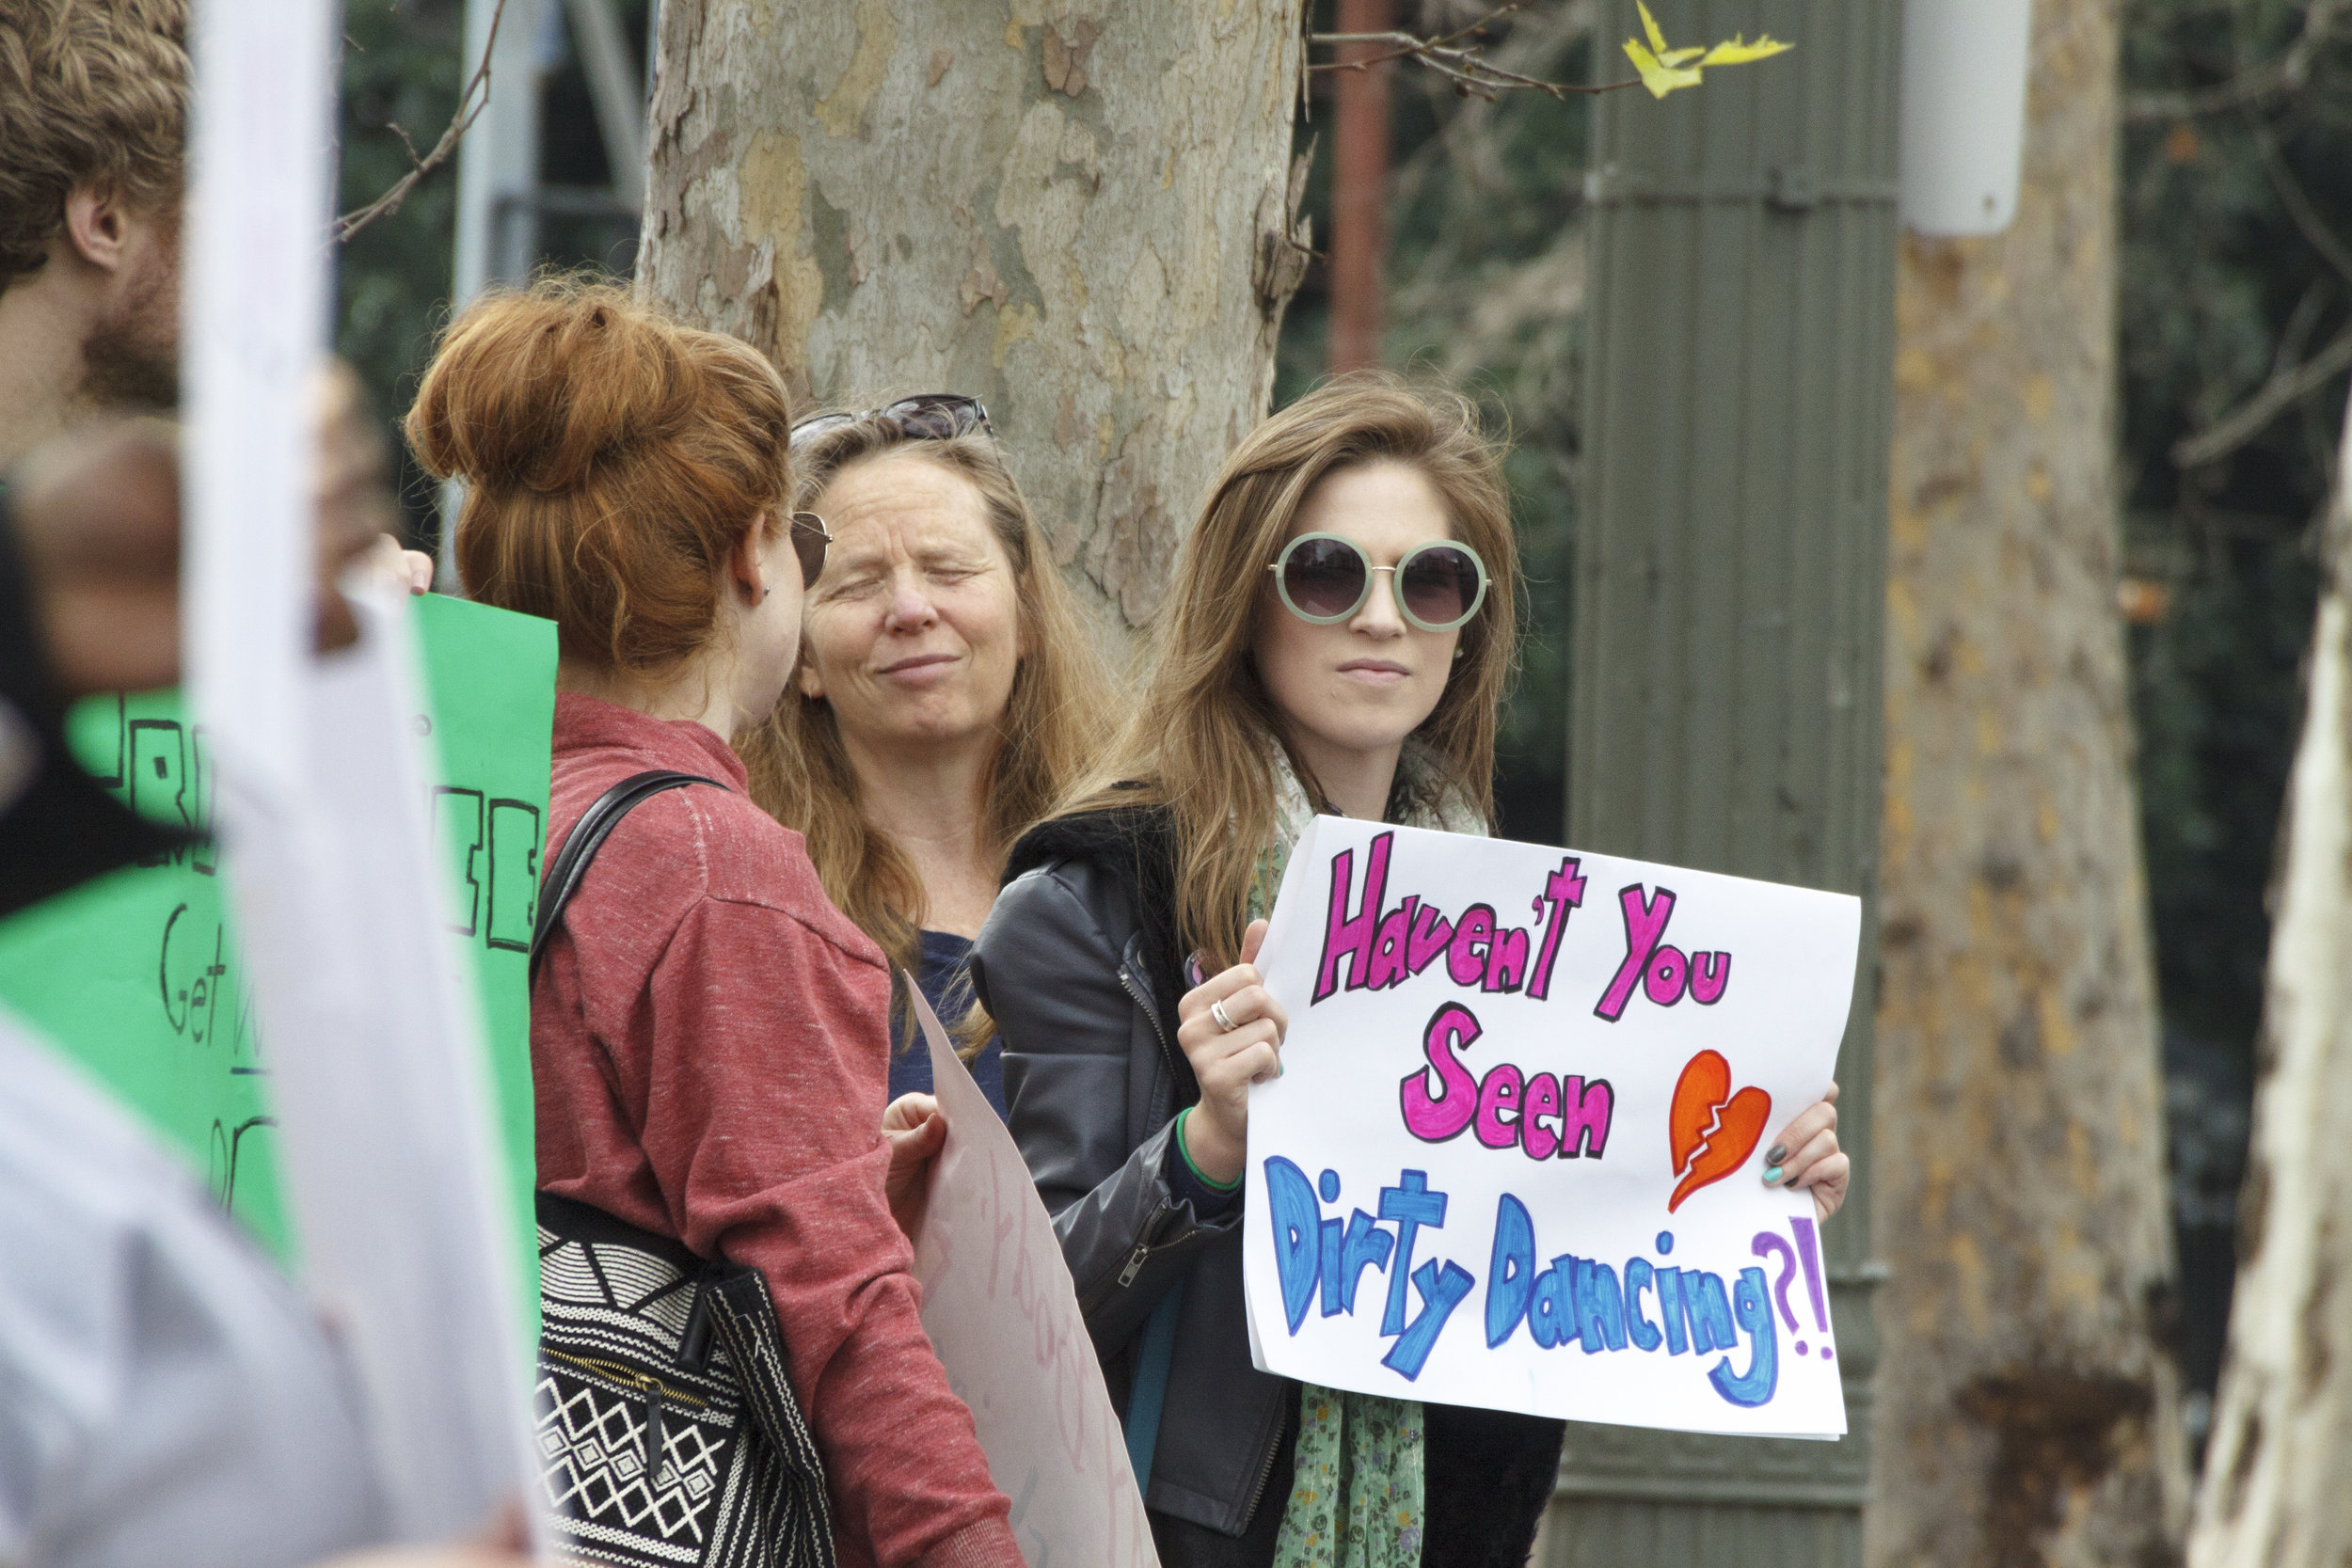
(375, 1043)
(256, 313)
(1003, 1315)
(1514, 1158)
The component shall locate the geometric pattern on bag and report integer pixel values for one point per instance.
(668, 1432)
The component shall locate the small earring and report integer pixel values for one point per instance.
(765, 592)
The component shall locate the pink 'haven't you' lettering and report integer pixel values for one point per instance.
(1663, 971)
(1380, 947)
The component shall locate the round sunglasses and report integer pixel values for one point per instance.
(1325, 578)
(810, 540)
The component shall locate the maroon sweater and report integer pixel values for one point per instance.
(709, 1042)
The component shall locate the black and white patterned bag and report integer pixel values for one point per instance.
(668, 1432)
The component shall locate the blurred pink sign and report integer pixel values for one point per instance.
(999, 1306)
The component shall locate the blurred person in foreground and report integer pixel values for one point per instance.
(166, 1394)
(948, 691)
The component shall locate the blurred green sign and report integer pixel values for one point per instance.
(137, 976)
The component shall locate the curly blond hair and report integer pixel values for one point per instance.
(89, 90)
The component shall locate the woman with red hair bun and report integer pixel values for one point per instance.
(710, 1036)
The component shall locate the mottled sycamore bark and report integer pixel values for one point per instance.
(2027, 1407)
(2274, 1493)
(1080, 211)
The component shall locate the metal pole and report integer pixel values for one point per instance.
(620, 101)
(498, 178)
(498, 163)
(1730, 587)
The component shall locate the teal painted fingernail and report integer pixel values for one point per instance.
(1772, 1175)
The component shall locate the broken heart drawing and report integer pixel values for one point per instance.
(1711, 1130)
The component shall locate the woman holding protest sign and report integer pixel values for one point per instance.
(948, 693)
(1338, 639)
(708, 1034)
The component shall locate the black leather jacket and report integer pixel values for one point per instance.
(1079, 966)
(1085, 997)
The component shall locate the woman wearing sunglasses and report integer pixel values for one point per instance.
(1338, 639)
(707, 1034)
(948, 693)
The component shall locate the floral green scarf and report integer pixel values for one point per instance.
(1355, 1489)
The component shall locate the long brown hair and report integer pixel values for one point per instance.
(800, 771)
(613, 460)
(1203, 738)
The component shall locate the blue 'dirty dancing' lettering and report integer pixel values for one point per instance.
(1647, 1308)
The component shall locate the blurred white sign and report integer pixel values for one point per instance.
(374, 1046)
(1000, 1309)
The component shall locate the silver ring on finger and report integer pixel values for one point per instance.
(1224, 1020)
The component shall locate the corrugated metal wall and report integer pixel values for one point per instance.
(1731, 586)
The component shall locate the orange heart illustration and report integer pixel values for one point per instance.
(1710, 1130)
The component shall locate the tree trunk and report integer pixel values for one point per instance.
(2028, 1413)
(1082, 213)
(2274, 1494)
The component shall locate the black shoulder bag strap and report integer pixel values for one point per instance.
(587, 837)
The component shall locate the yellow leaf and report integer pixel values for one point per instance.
(1656, 76)
(1663, 69)
(1649, 26)
(1739, 52)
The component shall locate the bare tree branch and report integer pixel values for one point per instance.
(2298, 205)
(2248, 87)
(2297, 331)
(1468, 157)
(469, 106)
(1459, 62)
(2275, 395)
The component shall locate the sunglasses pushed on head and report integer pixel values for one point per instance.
(925, 417)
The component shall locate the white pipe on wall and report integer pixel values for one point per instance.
(1963, 112)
